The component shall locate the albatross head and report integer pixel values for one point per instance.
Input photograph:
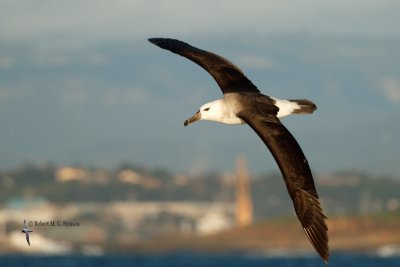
(215, 111)
(212, 111)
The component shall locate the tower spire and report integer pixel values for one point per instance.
(244, 205)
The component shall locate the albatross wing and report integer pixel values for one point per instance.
(228, 76)
(27, 238)
(297, 175)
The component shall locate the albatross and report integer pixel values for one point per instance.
(26, 230)
(243, 103)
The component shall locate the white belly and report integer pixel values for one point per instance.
(231, 120)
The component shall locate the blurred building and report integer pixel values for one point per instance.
(244, 205)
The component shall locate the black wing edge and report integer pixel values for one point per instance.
(313, 221)
(169, 44)
(227, 75)
(297, 175)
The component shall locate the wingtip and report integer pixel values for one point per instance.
(153, 39)
(174, 45)
(160, 42)
(313, 220)
(319, 240)
(325, 258)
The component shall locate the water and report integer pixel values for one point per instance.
(184, 259)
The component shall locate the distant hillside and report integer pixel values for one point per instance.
(345, 233)
(342, 193)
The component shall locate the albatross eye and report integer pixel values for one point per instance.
(206, 109)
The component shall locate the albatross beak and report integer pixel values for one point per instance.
(195, 117)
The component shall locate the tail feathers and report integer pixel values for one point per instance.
(304, 106)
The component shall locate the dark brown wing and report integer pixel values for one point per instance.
(27, 238)
(228, 76)
(297, 175)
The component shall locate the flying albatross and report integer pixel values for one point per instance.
(243, 103)
(26, 230)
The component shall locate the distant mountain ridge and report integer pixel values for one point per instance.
(359, 193)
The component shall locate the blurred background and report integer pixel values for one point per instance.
(92, 134)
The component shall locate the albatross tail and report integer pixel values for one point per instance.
(294, 106)
(304, 106)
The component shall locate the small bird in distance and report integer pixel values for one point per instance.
(26, 230)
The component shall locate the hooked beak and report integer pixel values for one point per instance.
(195, 117)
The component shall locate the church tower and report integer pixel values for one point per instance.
(244, 205)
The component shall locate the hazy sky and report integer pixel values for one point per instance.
(106, 20)
(79, 83)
